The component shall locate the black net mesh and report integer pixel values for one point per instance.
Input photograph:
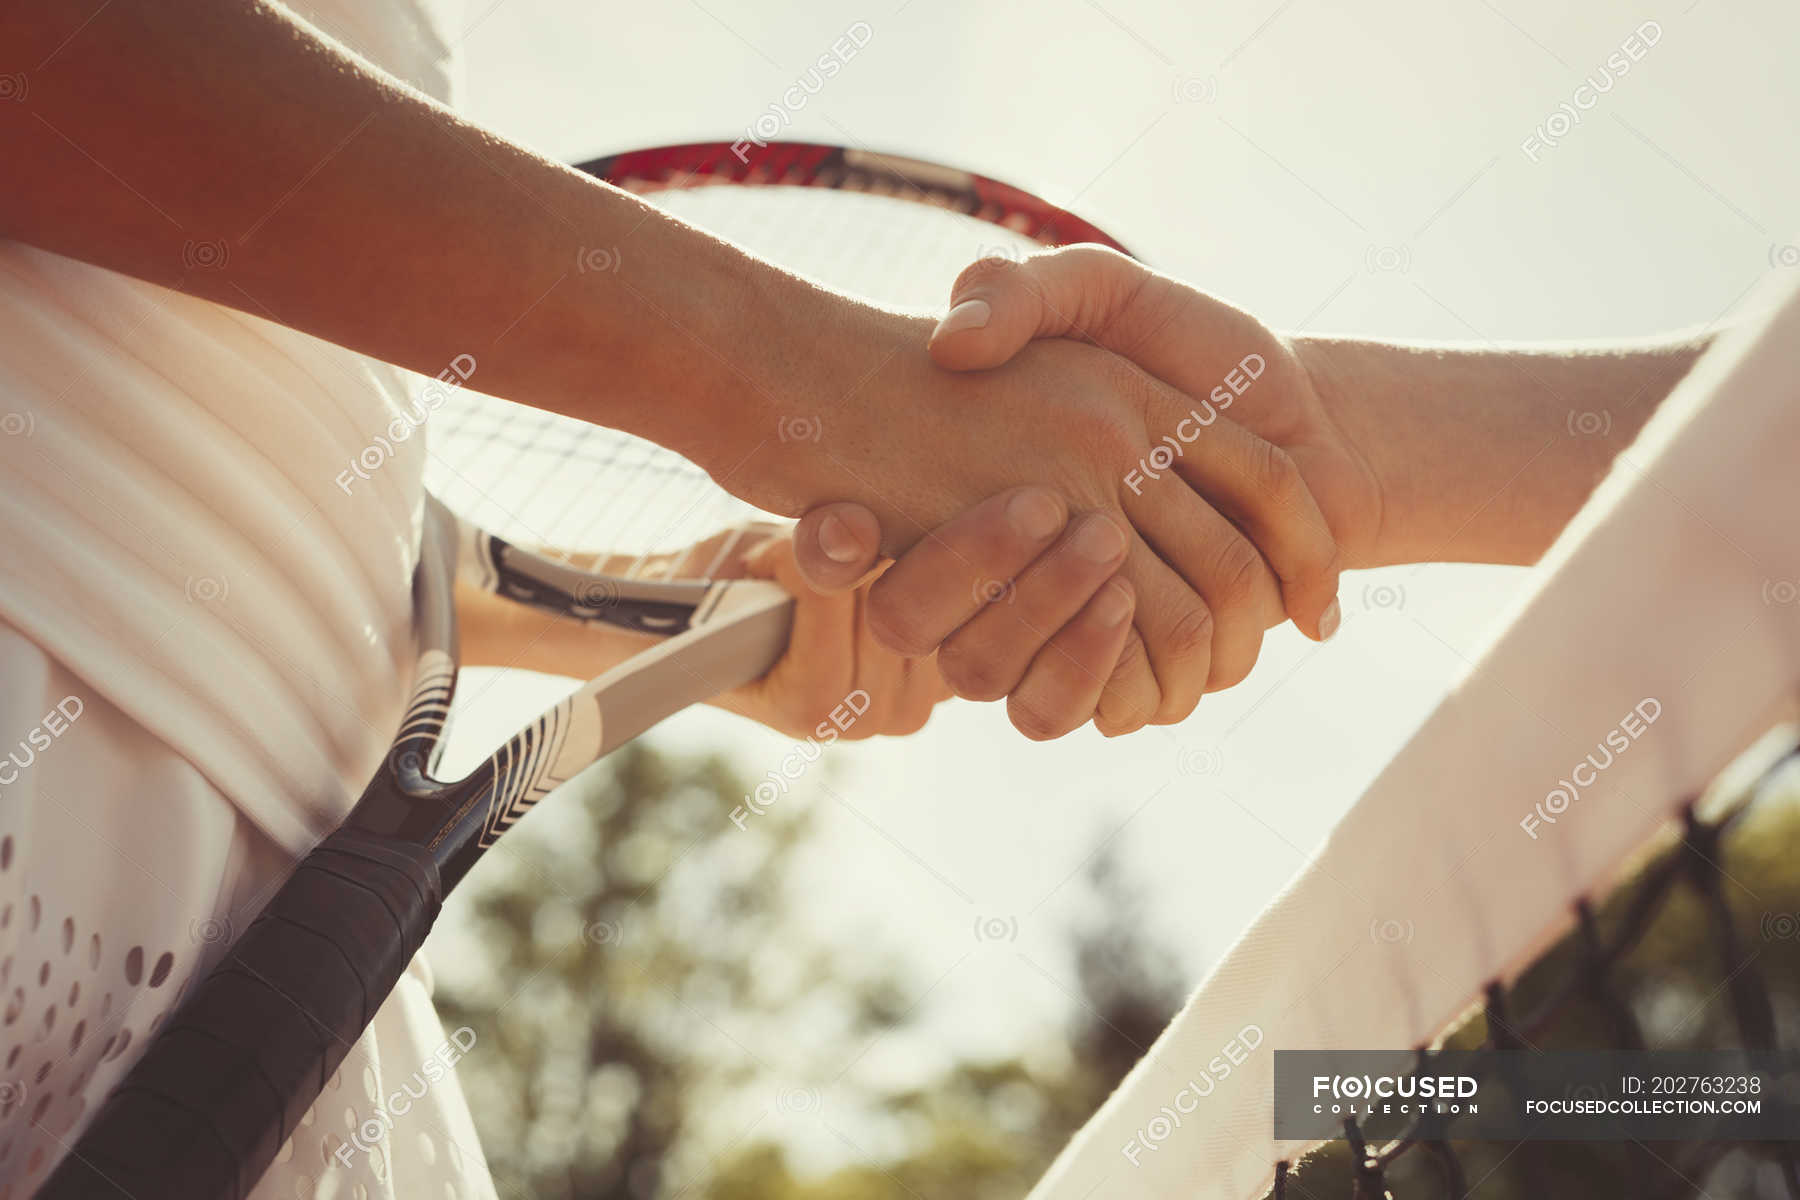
(1700, 949)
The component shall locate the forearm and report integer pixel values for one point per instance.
(497, 632)
(1483, 455)
(493, 631)
(346, 205)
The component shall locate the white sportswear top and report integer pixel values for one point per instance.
(205, 645)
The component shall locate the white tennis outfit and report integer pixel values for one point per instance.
(205, 644)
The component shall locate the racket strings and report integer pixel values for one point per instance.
(1588, 992)
(576, 490)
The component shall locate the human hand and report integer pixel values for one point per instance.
(917, 445)
(830, 657)
(832, 662)
(1190, 340)
(1019, 582)
(1022, 603)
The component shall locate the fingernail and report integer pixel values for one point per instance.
(1098, 539)
(1328, 620)
(1034, 513)
(1111, 606)
(970, 314)
(836, 540)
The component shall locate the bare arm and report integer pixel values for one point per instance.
(1417, 453)
(354, 208)
(1483, 455)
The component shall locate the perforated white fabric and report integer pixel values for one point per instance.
(205, 644)
(124, 873)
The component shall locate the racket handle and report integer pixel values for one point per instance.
(223, 1085)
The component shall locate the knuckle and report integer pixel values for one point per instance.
(1116, 396)
(1120, 717)
(896, 625)
(1275, 474)
(1140, 304)
(971, 673)
(1174, 712)
(1239, 573)
(1190, 634)
(1035, 720)
(1133, 663)
(1327, 561)
(1128, 700)
(989, 270)
(1135, 402)
(909, 719)
(1230, 674)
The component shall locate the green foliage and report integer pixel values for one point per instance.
(638, 956)
(599, 921)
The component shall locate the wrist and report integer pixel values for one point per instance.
(681, 366)
(1369, 481)
(685, 340)
(1482, 454)
(803, 422)
(761, 380)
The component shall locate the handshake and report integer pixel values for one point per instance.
(1098, 487)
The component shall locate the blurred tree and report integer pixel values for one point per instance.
(988, 1130)
(613, 929)
(596, 923)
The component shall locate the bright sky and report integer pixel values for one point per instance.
(1337, 168)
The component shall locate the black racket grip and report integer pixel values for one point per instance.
(222, 1086)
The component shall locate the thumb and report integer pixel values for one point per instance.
(836, 545)
(998, 305)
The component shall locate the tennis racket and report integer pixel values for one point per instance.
(224, 1083)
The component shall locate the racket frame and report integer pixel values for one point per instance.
(717, 635)
(841, 168)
